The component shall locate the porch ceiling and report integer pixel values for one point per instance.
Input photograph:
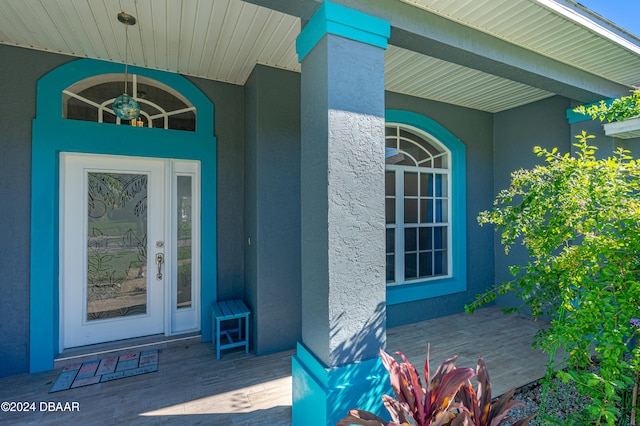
(224, 39)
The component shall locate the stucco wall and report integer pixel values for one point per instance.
(19, 71)
(228, 103)
(475, 130)
(272, 208)
(516, 133)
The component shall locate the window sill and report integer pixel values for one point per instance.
(402, 293)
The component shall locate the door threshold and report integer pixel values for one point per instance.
(121, 347)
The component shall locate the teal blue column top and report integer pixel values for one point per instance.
(339, 20)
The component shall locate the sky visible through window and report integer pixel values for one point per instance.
(624, 13)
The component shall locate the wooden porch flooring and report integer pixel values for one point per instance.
(191, 387)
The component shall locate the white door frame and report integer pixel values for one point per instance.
(163, 315)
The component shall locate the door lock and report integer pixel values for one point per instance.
(159, 262)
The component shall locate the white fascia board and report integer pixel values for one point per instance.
(600, 26)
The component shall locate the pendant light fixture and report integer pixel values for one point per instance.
(125, 106)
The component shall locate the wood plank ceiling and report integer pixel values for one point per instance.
(224, 39)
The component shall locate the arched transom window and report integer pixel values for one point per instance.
(160, 105)
(418, 183)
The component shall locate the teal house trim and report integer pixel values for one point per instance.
(52, 134)
(458, 280)
(335, 19)
(575, 117)
(360, 385)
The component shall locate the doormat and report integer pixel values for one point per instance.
(105, 370)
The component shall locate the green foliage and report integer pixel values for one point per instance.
(618, 110)
(447, 400)
(579, 218)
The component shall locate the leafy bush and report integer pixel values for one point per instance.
(579, 218)
(618, 110)
(440, 403)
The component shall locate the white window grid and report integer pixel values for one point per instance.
(412, 259)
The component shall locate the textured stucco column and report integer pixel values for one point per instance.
(342, 215)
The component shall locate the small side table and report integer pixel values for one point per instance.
(231, 310)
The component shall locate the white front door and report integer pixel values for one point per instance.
(129, 248)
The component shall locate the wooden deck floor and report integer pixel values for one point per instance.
(191, 387)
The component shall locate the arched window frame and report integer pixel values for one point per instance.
(419, 248)
(456, 280)
(73, 92)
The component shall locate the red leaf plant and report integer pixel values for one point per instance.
(434, 405)
(478, 409)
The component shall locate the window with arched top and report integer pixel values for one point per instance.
(418, 207)
(160, 105)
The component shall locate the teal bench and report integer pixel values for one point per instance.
(226, 311)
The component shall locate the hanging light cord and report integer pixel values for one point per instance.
(126, 58)
(126, 107)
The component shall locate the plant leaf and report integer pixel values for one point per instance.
(501, 407)
(448, 387)
(525, 421)
(427, 399)
(441, 418)
(499, 418)
(462, 420)
(395, 409)
(408, 396)
(443, 369)
(416, 387)
(400, 378)
(361, 417)
(484, 391)
(395, 376)
(467, 397)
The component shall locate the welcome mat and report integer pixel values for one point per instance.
(105, 370)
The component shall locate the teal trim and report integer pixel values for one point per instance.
(339, 20)
(322, 396)
(52, 135)
(49, 102)
(458, 280)
(574, 117)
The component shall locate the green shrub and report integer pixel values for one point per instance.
(579, 218)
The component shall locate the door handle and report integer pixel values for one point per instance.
(159, 262)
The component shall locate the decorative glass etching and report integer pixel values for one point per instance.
(116, 245)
